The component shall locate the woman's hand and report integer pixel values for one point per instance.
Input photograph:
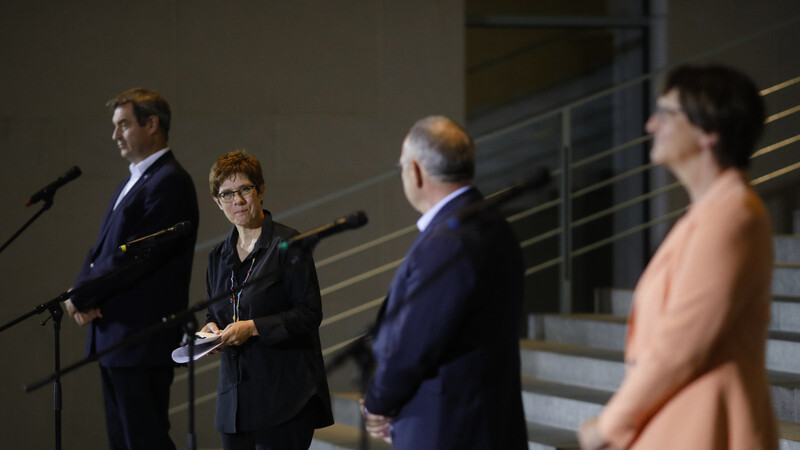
(212, 328)
(590, 438)
(237, 333)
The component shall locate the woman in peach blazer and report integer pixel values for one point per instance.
(695, 354)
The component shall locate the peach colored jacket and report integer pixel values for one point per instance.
(695, 375)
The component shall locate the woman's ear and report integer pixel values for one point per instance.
(709, 140)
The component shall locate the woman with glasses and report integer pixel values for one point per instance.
(272, 391)
(695, 354)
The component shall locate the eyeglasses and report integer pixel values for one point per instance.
(666, 111)
(244, 192)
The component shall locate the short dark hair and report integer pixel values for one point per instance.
(723, 100)
(145, 103)
(234, 163)
(443, 148)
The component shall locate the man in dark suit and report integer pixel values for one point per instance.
(158, 194)
(447, 340)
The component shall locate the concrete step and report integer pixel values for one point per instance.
(343, 437)
(568, 406)
(786, 279)
(603, 331)
(345, 434)
(785, 314)
(543, 437)
(346, 409)
(787, 248)
(789, 433)
(784, 310)
(616, 301)
(560, 405)
(783, 351)
(607, 331)
(604, 370)
(572, 364)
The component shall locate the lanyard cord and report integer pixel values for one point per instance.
(236, 298)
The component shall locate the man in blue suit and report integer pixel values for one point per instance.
(158, 194)
(447, 339)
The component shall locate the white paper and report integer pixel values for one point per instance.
(203, 345)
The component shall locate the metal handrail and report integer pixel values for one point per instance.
(543, 236)
(520, 124)
(554, 113)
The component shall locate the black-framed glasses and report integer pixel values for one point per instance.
(666, 111)
(244, 192)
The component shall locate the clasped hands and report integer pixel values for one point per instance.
(82, 318)
(236, 333)
(377, 426)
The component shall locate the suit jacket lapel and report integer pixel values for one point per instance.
(111, 214)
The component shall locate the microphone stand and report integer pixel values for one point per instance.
(48, 202)
(362, 355)
(185, 319)
(189, 329)
(57, 313)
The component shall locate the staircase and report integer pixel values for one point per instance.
(572, 364)
(606, 205)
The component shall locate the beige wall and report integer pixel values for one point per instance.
(322, 92)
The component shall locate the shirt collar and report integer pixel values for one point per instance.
(264, 240)
(426, 218)
(138, 169)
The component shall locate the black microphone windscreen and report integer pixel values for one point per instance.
(183, 228)
(72, 173)
(357, 219)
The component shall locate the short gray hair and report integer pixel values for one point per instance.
(443, 148)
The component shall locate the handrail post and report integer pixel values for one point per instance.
(565, 218)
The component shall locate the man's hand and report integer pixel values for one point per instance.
(378, 426)
(82, 318)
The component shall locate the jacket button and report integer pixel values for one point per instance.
(91, 265)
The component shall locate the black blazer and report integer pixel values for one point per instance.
(142, 294)
(274, 375)
(447, 345)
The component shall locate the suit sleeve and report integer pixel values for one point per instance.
(158, 204)
(715, 273)
(410, 345)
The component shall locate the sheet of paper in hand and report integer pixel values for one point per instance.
(203, 345)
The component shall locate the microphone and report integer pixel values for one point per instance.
(539, 179)
(48, 191)
(310, 238)
(175, 231)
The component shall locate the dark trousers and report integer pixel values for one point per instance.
(294, 434)
(137, 404)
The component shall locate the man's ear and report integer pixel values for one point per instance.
(416, 169)
(152, 124)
